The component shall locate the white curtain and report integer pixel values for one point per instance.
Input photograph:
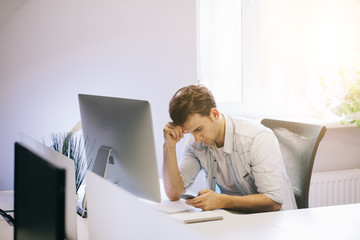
(219, 47)
(288, 47)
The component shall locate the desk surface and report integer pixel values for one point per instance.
(6, 203)
(335, 222)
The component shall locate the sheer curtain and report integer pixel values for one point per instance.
(219, 47)
(280, 55)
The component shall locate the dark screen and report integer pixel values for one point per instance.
(39, 197)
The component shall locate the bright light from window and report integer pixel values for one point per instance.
(220, 48)
(288, 48)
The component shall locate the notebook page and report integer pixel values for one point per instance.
(195, 217)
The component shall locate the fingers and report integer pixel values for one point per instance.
(174, 130)
(177, 132)
(206, 190)
(198, 203)
(195, 201)
(204, 200)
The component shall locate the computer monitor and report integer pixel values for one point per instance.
(118, 135)
(39, 190)
(39, 196)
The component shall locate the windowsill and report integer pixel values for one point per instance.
(332, 122)
(337, 124)
(328, 123)
(237, 109)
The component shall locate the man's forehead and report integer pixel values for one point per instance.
(192, 122)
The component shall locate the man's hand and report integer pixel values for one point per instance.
(206, 200)
(172, 134)
(209, 200)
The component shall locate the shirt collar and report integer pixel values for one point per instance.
(229, 133)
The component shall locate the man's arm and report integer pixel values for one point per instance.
(173, 183)
(209, 200)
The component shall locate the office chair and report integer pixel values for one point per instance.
(298, 144)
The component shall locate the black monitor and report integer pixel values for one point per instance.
(39, 196)
(119, 139)
(61, 162)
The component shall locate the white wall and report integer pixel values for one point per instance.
(51, 50)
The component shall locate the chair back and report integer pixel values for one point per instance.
(298, 144)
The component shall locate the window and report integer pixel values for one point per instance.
(268, 58)
(219, 47)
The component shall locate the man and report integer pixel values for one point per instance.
(242, 158)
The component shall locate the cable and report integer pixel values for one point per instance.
(9, 219)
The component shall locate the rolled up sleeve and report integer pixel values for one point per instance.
(267, 167)
(189, 166)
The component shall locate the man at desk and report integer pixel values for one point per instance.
(241, 157)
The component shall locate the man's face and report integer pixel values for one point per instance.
(203, 128)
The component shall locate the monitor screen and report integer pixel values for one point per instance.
(39, 197)
(118, 135)
(62, 162)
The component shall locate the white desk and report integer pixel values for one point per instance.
(6, 203)
(336, 222)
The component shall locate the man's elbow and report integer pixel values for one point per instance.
(272, 205)
(174, 195)
(276, 206)
(174, 198)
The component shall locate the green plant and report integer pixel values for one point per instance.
(341, 93)
(72, 146)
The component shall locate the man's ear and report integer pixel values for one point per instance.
(214, 114)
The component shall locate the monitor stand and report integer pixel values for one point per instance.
(103, 158)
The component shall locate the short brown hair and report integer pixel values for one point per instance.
(189, 100)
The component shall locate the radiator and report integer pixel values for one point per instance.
(334, 188)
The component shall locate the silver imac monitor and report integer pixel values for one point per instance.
(120, 146)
